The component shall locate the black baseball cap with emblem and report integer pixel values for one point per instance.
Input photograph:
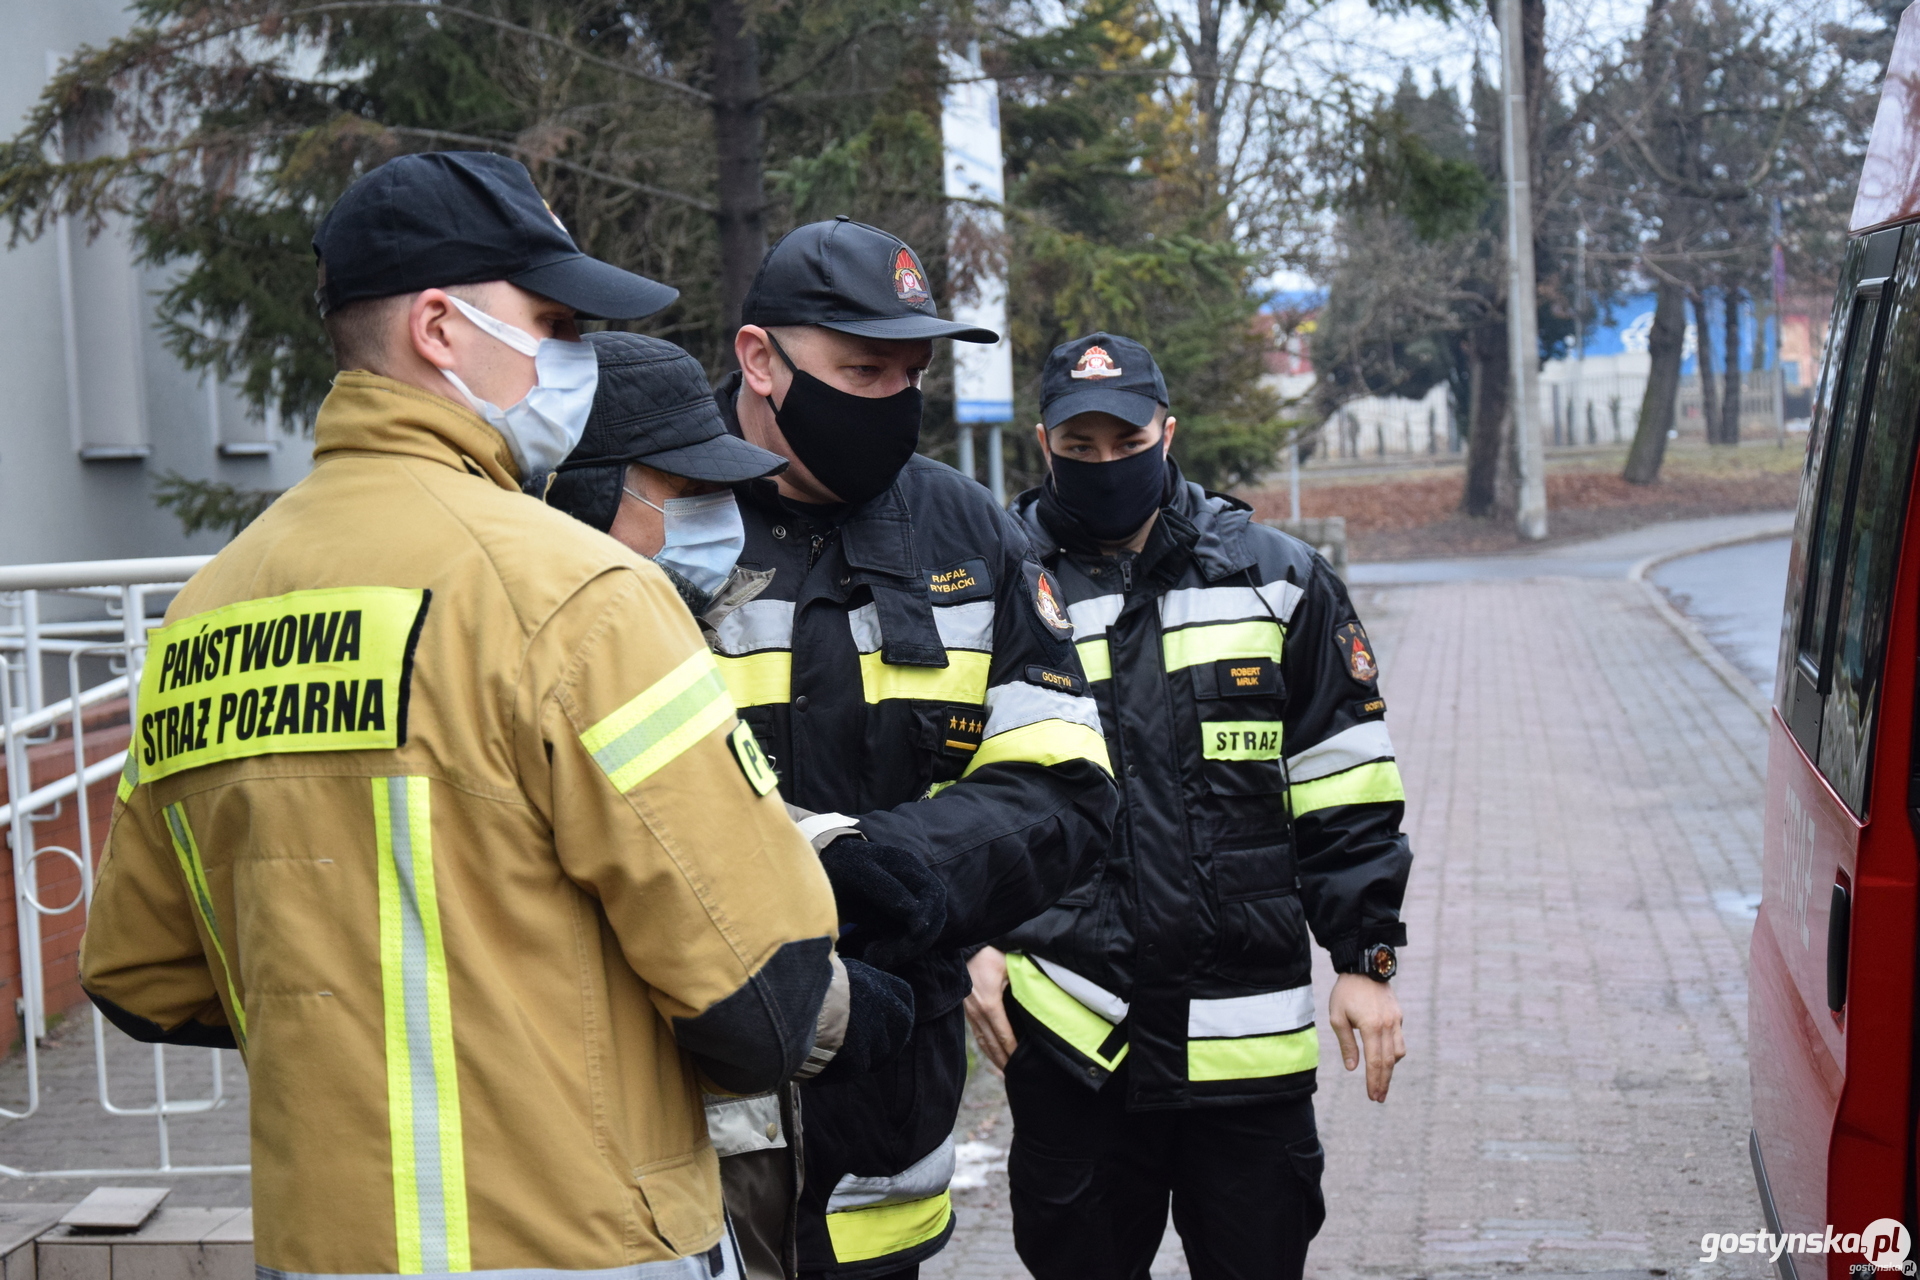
(652, 406)
(1101, 373)
(465, 217)
(849, 276)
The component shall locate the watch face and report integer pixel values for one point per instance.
(1381, 962)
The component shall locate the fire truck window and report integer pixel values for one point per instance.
(1871, 546)
(1836, 491)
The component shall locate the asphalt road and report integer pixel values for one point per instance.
(1734, 594)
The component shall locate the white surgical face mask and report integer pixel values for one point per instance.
(705, 537)
(542, 429)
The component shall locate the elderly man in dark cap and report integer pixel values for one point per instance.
(652, 470)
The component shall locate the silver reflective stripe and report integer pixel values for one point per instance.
(739, 1125)
(1009, 706)
(965, 626)
(693, 1268)
(864, 622)
(1267, 1014)
(1185, 608)
(755, 626)
(1091, 618)
(927, 1176)
(1361, 744)
(1091, 994)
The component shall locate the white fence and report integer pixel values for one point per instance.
(82, 626)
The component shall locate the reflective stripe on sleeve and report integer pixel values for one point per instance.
(187, 850)
(1040, 726)
(129, 775)
(1096, 659)
(423, 1089)
(1211, 642)
(1080, 1027)
(860, 1234)
(1374, 783)
(1253, 1056)
(644, 736)
(1361, 744)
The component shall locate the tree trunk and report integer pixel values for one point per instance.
(1487, 418)
(1703, 362)
(1203, 58)
(1730, 401)
(1665, 345)
(739, 138)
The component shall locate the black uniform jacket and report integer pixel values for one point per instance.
(1229, 667)
(910, 666)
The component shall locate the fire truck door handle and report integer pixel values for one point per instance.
(1839, 918)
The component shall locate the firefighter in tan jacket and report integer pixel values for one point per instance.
(438, 810)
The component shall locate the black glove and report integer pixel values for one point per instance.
(879, 1022)
(891, 907)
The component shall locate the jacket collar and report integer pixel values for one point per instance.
(366, 413)
(1221, 545)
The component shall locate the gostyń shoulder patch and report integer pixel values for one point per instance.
(320, 670)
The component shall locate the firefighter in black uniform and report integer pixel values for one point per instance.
(910, 673)
(1156, 1025)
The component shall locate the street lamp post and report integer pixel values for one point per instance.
(1523, 327)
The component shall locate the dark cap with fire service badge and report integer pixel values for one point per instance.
(1101, 373)
(848, 276)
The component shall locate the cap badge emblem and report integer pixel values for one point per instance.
(1096, 363)
(556, 219)
(909, 284)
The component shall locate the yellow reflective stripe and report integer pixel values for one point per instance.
(129, 774)
(187, 850)
(1043, 742)
(1368, 784)
(1191, 646)
(963, 679)
(1253, 1056)
(1096, 659)
(423, 1087)
(682, 707)
(1059, 1012)
(875, 1232)
(758, 679)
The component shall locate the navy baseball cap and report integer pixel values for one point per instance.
(443, 218)
(652, 406)
(849, 276)
(1101, 373)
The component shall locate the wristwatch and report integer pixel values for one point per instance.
(1379, 962)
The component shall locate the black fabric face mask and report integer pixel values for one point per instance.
(1111, 500)
(854, 445)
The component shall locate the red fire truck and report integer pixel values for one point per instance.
(1832, 1022)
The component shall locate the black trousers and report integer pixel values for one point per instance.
(1091, 1180)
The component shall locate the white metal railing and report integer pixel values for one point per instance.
(101, 634)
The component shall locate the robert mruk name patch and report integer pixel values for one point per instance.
(323, 670)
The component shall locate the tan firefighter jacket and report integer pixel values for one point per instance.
(437, 809)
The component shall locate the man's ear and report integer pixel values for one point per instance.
(428, 319)
(754, 352)
(1166, 435)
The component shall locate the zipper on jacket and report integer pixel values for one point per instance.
(813, 552)
(1126, 575)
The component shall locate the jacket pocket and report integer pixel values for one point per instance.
(1048, 1176)
(683, 1195)
(1242, 875)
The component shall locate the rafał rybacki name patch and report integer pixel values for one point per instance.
(322, 670)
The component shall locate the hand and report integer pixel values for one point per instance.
(1358, 1003)
(879, 1022)
(897, 906)
(987, 1007)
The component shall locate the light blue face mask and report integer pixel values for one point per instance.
(544, 427)
(705, 537)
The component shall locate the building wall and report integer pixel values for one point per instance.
(93, 408)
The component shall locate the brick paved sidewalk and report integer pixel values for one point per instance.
(1584, 804)
(1585, 812)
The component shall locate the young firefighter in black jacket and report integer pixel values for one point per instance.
(1156, 1025)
